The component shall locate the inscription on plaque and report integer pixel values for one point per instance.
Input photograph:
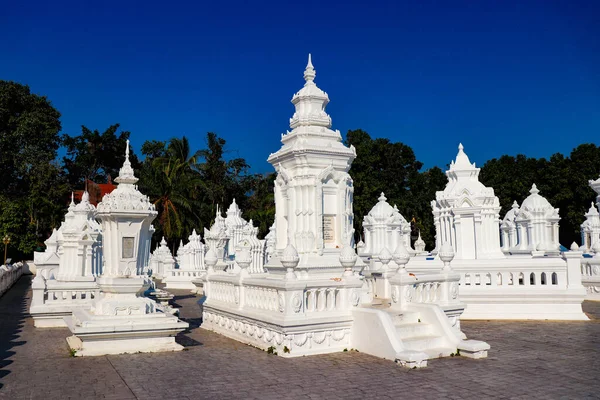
(329, 228)
(128, 243)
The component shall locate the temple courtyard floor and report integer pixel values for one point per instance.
(528, 360)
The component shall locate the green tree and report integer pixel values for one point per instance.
(95, 156)
(563, 181)
(222, 180)
(32, 187)
(261, 203)
(170, 178)
(392, 168)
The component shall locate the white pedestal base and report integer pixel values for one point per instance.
(122, 346)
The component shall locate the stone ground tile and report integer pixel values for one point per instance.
(543, 359)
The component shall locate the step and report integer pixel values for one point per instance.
(401, 318)
(439, 352)
(408, 330)
(423, 342)
(381, 303)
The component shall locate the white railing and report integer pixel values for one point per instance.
(441, 289)
(224, 292)
(277, 297)
(322, 299)
(58, 296)
(590, 277)
(514, 277)
(9, 274)
(185, 273)
(261, 298)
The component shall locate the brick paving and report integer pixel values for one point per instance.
(528, 360)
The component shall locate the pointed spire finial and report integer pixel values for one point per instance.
(309, 72)
(382, 197)
(534, 189)
(72, 199)
(126, 174)
(460, 147)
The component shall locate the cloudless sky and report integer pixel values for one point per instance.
(502, 77)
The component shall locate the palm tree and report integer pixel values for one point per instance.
(173, 184)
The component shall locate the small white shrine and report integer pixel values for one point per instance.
(310, 298)
(466, 213)
(590, 230)
(161, 261)
(46, 262)
(420, 245)
(536, 224)
(189, 266)
(528, 278)
(216, 238)
(235, 225)
(510, 234)
(120, 319)
(77, 249)
(590, 266)
(384, 226)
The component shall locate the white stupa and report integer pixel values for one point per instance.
(537, 225)
(466, 213)
(121, 320)
(313, 190)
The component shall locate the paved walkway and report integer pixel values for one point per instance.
(539, 360)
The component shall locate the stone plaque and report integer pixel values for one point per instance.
(329, 228)
(128, 243)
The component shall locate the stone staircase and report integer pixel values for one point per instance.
(420, 340)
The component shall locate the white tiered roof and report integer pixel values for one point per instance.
(511, 215)
(234, 216)
(310, 124)
(463, 181)
(536, 203)
(126, 197)
(383, 212)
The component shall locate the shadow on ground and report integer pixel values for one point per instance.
(13, 312)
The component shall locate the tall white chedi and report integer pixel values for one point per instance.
(121, 320)
(466, 213)
(313, 190)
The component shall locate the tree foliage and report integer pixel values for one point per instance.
(392, 168)
(563, 181)
(186, 184)
(32, 187)
(95, 156)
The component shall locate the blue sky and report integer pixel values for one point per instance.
(501, 77)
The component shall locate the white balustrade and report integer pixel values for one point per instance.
(262, 298)
(57, 296)
(9, 274)
(441, 289)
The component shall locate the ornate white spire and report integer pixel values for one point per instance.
(462, 167)
(126, 197)
(534, 189)
(309, 72)
(462, 160)
(310, 102)
(126, 172)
